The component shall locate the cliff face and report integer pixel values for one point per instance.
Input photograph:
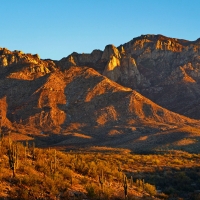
(159, 67)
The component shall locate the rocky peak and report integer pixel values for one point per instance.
(23, 66)
(112, 70)
(197, 42)
(91, 60)
(109, 51)
(121, 50)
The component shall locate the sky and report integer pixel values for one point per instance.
(56, 28)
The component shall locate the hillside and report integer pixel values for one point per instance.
(165, 70)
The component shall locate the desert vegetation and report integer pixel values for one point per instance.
(27, 172)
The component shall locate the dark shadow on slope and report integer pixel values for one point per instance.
(5, 71)
(182, 98)
(21, 97)
(177, 182)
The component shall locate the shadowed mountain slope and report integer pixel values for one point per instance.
(166, 70)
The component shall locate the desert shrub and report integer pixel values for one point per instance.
(156, 161)
(51, 185)
(177, 161)
(108, 193)
(31, 180)
(151, 189)
(92, 191)
(92, 169)
(84, 180)
(21, 193)
(42, 166)
(67, 173)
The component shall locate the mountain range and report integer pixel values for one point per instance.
(143, 95)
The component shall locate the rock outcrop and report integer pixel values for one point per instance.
(18, 65)
(151, 64)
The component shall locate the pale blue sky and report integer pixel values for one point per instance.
(56, 28)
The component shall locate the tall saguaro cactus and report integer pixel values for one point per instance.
(1, 133)
(131, 181)
(101, 183)
(33, 150)
(55, 161)
(13, 157)
(53, 165)
(0, 126)
(125, 185)
(25, 154)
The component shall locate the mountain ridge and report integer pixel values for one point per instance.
(97, 98)
(150, 64)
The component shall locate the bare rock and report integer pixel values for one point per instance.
(109, 51)
(112, 69)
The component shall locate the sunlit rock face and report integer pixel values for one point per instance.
(110, 51)
(166, 70)
(112, 70)
(23, 66)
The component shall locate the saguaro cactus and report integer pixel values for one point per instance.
(27, 145)
(53, 164)
(55, 161)
(0, 126)
(125, 185)
(143, 185)
(51, 167)
(71, 180)
(131, 181)
(33, 150)
(25, 153)
(101, 181)
(13, 157)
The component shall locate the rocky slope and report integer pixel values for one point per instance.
(166, 70)
(59, 103)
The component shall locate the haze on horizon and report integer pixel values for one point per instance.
(54, 29)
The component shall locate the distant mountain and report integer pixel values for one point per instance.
(166, 70)
(67, 103)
